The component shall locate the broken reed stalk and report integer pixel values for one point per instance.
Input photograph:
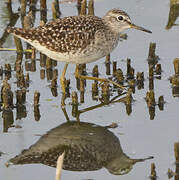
(23, 7)
(54, 63)
(74, 98)
(105, 89)
(82, 97)
(128, 98)
(83, 69)
(174, 80)
(130, 70)
(54, 13)
(67, 89)
(37, 113)
(54, 82)
(119, 76)
(128, 66)
(33, 55)
(20, 97)
(176, 66)
(151, 55)
(55, 9)
(105, 92)
(128, 101)
(49, 74)
(8, 71)
(95, 71)
(132, 84)
(36, 98)
(153, 174)
(140, 76)
(32, 7)
(9, 1)
(176, 151)
(43, 11)
(107, 58)
(82, 85)
(8, 119)
(158, 69)
(151, 71)
(94, 89)
(42, 74)
(21, 80)
(43, 4)
(151, 77)
(28, 65)
(151, 84)
(21, 111)
(6, 96)
(83, 7)
(170, 173)
(91, 7)
(43, 59)
(74, 104)
(18, 63)
(49, 70)
(114, 65)
(78, 68)
(1, 71)
(161, 103)
(18, 44)
(152, 112)
(79, 6)
(108, 63)
(150, 98)
(55, 73)
(27, 22)
(54, 91)
(48, 63)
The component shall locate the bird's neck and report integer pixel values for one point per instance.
(109, 22)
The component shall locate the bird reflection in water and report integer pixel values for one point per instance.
(87, 147)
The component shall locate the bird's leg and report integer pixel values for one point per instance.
(62, 78)
(77, 75)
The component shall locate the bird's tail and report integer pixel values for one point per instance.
(14, 30)
(24, 34)
(21, 33)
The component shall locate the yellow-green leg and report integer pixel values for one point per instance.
(77, 75)
(62, 78)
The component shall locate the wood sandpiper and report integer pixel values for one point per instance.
(78, 39)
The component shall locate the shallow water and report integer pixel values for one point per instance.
(139, 136)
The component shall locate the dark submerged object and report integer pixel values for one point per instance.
(87, 147)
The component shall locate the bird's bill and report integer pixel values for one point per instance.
(140, 28)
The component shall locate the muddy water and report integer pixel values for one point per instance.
(139, 136)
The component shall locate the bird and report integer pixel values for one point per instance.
(87, 147)
(78, 39)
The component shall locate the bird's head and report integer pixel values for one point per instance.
(119, 21)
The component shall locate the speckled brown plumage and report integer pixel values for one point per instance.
(78, 39)
(75, 39)
(64, 35)
(87, 147)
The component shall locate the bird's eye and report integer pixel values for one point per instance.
(120, 18)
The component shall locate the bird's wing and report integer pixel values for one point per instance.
(63, 35)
